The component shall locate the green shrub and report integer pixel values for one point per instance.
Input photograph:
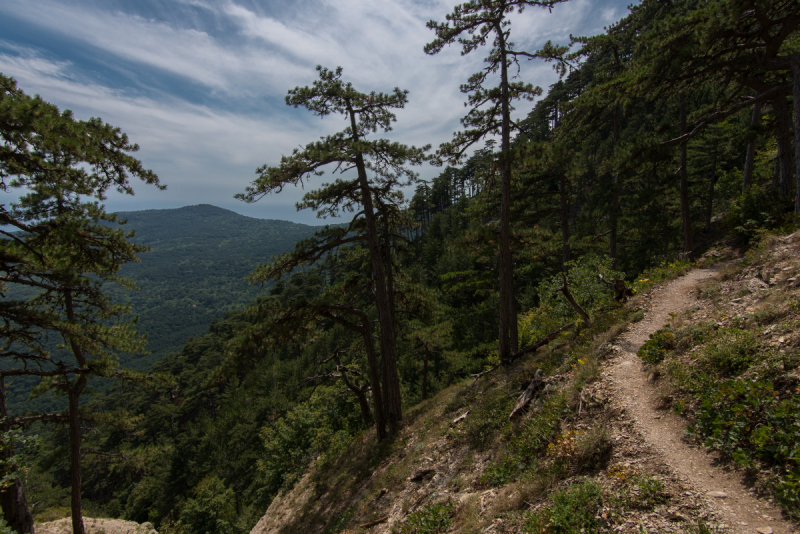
(571, 510)
(692, 335)
(488, 417)
(585, 285)
(650, 492)
(529, 441)
(732, 352)
(752, 421)
(756, 210)
(655, 349)
(212, 510)
(431, 519)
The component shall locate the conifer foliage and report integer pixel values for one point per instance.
(58, 248)
(373, 193)
(471, 24)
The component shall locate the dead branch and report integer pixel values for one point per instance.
(536, 384)
(530, 348)
(565, 290)
(376, 522)
(542, 342)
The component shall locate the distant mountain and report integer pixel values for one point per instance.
(194, 273)
(196, 269)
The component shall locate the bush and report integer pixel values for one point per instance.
(488, 417)
(655, 349)
(571, 510)
(431, 519)
(212, 510)
(756, 209)
(752, 421)
(733, 352)
(585, 285)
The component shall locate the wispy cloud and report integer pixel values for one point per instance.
(239, 57)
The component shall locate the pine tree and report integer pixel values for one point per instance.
(371, 197)
(60, 249)
(471, 24)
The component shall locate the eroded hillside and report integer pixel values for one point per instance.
(601, 448)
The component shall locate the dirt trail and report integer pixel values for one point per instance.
(664, 431)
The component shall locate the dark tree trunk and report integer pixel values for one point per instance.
(711, 183)
(507, 316)
(782, 135)
(749, 162)
(15, 505)
(565, 250)
(514, 334)
(796, 103)
(74, 392)
(612, 242)
(686, 217)
(75, 453)
(425, 374)
(373, 373)
(391, 380)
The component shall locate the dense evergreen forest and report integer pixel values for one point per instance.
(676, 124)
(194, 271)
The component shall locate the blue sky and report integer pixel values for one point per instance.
(200, 84)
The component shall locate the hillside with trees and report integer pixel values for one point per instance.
(477, 320)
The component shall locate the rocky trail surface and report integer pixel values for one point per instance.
(718, 490)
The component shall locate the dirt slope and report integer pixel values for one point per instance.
(96, 526)
(664, 431)
(430, 462)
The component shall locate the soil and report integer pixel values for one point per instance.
(648, 442)
(96, 526)
(731, 503)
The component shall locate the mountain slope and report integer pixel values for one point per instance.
(597, 450)
(194, 273)
(196, 268)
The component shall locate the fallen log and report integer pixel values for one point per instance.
(530, 348)
(376, 522)
(536, 384)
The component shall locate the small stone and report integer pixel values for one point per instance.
(764, 530)
(717, 494)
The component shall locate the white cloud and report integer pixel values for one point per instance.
(212, 148)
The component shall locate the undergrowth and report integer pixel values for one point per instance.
(732, 374)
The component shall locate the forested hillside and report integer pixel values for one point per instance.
(667, 134)
(195, 270)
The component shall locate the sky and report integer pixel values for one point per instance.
(199, 85)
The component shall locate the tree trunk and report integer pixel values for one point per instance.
(74, 394)
(796, 103)
(514, 334)
(391, 380)
(363, 403)
(612, 242)
(565, 250)
(507, 315)
(749, 162)
(15, 505)
(425, 374)
(711, 183)
(686, 217)
(782, 135)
